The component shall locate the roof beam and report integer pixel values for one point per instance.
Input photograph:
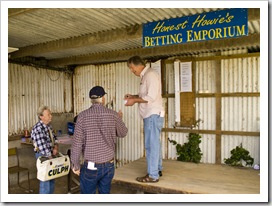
(132, 32)
(173, 50)
(15, 12)
(253, 14)
(81, 41)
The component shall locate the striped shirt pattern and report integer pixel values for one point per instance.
(40, 136)
(96, 132)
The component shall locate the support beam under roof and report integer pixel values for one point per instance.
(106, 37)
(129, 33)
(173, 50)
(17, 11)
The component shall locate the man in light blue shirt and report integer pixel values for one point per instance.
(151, 110)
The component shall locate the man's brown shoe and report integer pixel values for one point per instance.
(147, 179)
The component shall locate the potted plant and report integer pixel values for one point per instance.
(238, 155)
(189, 151)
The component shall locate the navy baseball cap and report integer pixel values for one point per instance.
(97, 92)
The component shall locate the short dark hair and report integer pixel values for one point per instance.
(136, 60)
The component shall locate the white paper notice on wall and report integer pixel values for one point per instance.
(186, 76)
(157, 67)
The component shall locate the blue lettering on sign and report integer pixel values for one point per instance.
(229, 23)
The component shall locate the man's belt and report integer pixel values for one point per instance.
(111, 161)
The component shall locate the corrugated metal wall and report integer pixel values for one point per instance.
(205, 110)
(206, 107)
(117, 81)
(240, 75)
(241, 113)
(29, 88)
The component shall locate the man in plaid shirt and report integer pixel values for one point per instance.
(95, 135)
(45, 143)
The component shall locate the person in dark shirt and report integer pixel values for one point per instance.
(75, 119)
(95, 136)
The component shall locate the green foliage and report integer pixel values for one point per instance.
(237, 155)
(190, 151)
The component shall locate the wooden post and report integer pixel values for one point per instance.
(218, 112)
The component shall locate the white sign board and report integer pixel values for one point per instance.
(186, 76)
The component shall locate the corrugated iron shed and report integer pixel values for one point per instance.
(98, 41)
(66, 37)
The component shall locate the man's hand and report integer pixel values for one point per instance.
(77, 172)
(120, 113)
(130, 102)
(56, 150)
(128, 96)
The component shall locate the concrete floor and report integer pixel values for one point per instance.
(61, 187)
(178, 178)
(191, 178)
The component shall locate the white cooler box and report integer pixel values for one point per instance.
(52, 168)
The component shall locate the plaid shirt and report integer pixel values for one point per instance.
(96, 131)
(41, 138)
